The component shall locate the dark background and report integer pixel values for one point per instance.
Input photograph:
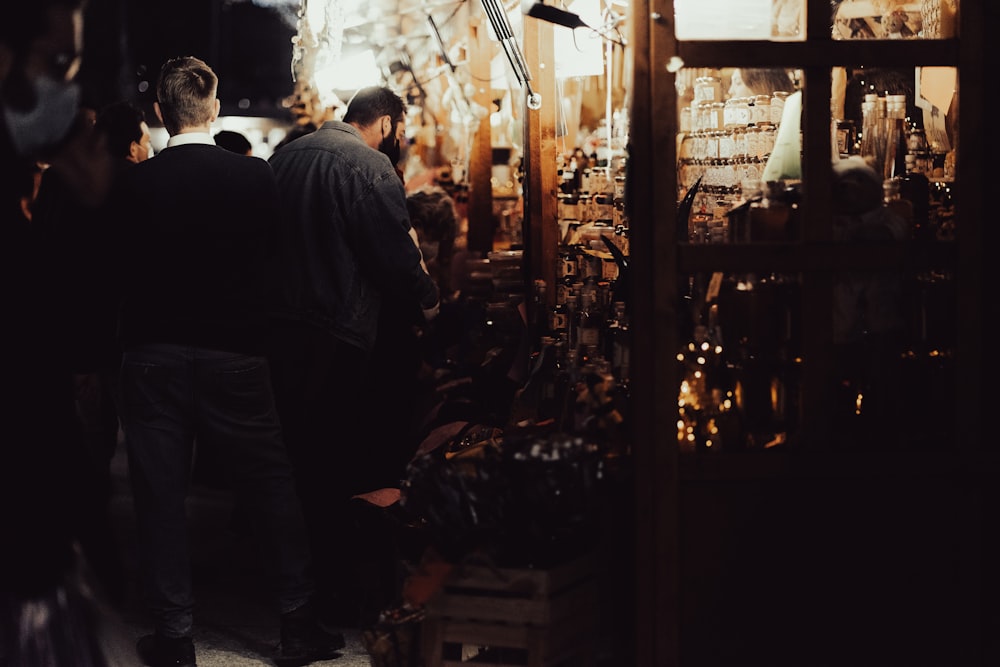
(248, 46)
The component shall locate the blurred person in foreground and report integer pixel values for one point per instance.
(197, 224)
(83, 270)
(346, 248)
(82, 243)
(51, 613)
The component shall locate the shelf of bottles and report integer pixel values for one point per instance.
(741, 363)
(739, 182)
(584, 336)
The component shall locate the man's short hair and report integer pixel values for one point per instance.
(121, 122)
(186, 92)
(371, 103)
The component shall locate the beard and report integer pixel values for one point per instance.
(390, 146)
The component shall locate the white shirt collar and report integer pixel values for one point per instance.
(190, 138)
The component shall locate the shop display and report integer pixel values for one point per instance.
(895, 19)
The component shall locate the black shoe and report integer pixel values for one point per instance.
(305, 640)
(157, 651)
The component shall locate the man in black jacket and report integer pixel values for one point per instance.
(191, 326)
(347, 249)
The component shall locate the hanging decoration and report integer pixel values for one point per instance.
(317, 48)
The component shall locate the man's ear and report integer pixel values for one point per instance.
(218, 108)
(156, 109)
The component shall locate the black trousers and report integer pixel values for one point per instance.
(317, 380)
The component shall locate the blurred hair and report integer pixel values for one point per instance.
(766, 80)
(881, 81)
(186, 93)
(371, 103)
(233, 141)
(432, 213)
(121, 122)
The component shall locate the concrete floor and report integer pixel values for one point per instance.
(234, 624)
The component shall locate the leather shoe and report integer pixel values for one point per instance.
(304, 640)
(157, 651)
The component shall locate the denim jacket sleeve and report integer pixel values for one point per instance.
(384, 236)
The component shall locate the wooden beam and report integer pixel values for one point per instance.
(481, 222)
(541, 231)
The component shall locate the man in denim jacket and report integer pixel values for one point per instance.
(346, 242)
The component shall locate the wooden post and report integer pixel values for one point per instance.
(541, 231)
(481, 222)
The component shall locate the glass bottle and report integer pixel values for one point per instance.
(570, 307)
(617, 343)
(912, 186)
(539, 320)
(771, 217)
(559, 320)
(588, 325)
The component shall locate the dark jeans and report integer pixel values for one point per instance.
(172, 394)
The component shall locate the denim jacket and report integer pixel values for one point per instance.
(345, 238)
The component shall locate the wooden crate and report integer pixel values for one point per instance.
(551, 614)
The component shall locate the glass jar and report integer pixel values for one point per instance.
(760, 112)
(742, 111)
(754, 148)
(740, 141)
(727, 146)
(778, 105)
(917, 141)
(718, 115)
(729, 114)
(708, 89)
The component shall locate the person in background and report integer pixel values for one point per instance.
(393, 384)
(869, 318)
(746, 81)
(346, 248)
(298, 130)
(233, 141)
(197, 225)
(435, 219)
(51, 610)
(127, 132)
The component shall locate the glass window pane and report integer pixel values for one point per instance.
(774, 20)
(739, 152)
(740, 361)
(895, 19)
(901, 123)
(894, 360)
